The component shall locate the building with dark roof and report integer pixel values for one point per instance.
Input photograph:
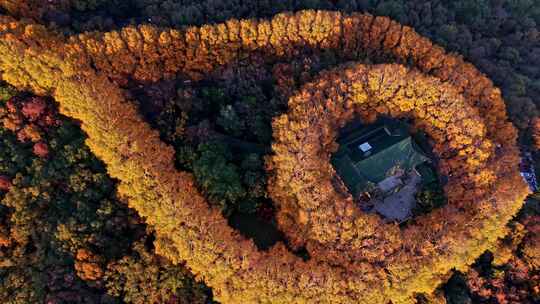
(379, 157)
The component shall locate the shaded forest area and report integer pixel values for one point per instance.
(66, 238)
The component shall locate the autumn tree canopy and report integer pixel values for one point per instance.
(355, 257)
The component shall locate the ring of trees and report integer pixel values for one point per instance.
(313, 211)
(354, 257)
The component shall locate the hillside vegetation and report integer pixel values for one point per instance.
(196, 126)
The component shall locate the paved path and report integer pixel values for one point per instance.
(398, 206)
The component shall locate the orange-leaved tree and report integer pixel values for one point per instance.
(454, 102)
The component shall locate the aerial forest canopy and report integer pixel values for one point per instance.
(330, 251)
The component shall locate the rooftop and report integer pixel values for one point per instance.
(384, 158)
(370, 154)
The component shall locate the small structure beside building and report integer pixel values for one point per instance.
(382, 166)
(526, 167)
